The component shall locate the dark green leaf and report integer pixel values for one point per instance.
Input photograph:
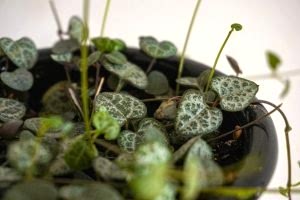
(116, 57)
(107, 45)
(158, 83)
(65, 46)
(273, 60)
(80, 153)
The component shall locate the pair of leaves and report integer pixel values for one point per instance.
(122, 107)
(107, 45)
(156, 49)
(106, 124)
(23, 52)
(148, 130)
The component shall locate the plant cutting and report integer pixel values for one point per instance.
(118, 124)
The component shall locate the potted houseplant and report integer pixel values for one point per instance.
(123, 123)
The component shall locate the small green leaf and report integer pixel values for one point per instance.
(201, 150)
(94, 57)
(158, 83)
(107, 45)
(236, 26)
(106, 124)
(20, 79)
(129, 141)
(194, 117)
(156, 49)
(80, 153)
(235, 93)
(23, 52)
(29, 156)
(128, 72)
(202, 79)
(62, 58)
(11, 110)
(65, 46)
(116, 57)
(188, 81)
(122, 107)
(108, 170)
(273, 60)
(32, 190)
(76, 28)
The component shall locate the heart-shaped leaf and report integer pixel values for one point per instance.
(107, 170)
(11, 110)
(195, 117)
(157, 49)
(76, 28)
(129, 140)
(122, 107)
(62, 58)
(128, 72)
(65, 46)
(23, 52)
(235, 93)
(20, 79)
(158, 83)
(32, 190)
(29, 156)
(116, 57)
(80, 153)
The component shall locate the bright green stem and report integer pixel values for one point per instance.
(180, 67)
(105, 17)
(84, 68)
(212, 72)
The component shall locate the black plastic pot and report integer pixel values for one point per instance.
(258, 142)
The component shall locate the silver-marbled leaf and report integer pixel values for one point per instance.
(11, 110)
(23, 52)
(235, 93)
(129, 141)
(122, 107)
(76, 28)
(128, 72)
(116, 57)
(157, 49)
(158, 83)
(195, 117)
(20, 79)
(201, 150)
(65, 46)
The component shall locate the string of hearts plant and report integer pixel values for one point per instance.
(87, 143)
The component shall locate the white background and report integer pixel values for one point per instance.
(268, 24)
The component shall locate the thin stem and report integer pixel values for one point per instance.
(155, 99)
(212, 72)
(84, 68)
(105, 17)
(120, 85)
(152, 63)
(246, 125)
(56, 17)
(181, 64)
(288, 148)
(68, 74)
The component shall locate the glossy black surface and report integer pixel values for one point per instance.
(258, 141)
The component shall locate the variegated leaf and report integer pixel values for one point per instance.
(62, 58)
(11, 110)
(116, 57)
(20, 79)
(76, 28)
(128, 140)
(128, 72)
(188, 81)
(23, 52)
(107, 169)
(195, 117)
(235, 93)
(122, 107)
(157, 49)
